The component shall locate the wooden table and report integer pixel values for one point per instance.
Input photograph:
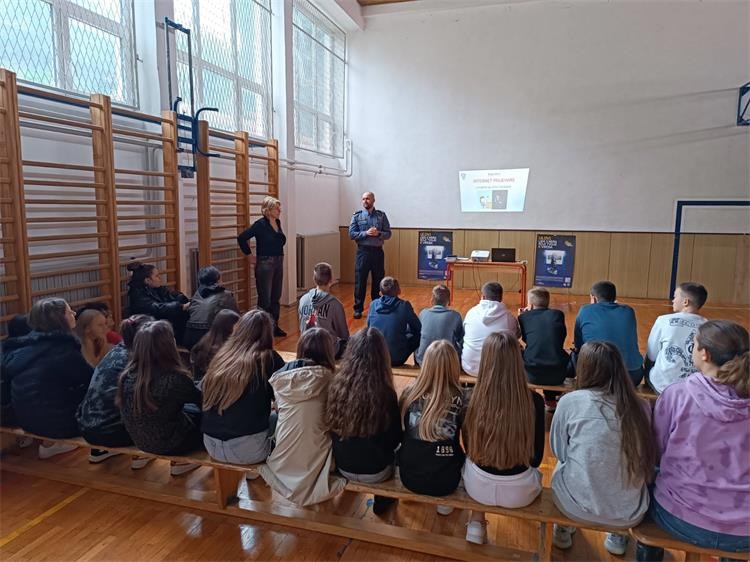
(484, 266)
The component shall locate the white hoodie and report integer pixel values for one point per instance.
(488, 317)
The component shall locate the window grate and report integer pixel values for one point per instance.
(319, 81)
(231, 62)
(79, 46)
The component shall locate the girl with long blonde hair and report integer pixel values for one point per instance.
(503, 433)
(432, 411)
(237, 422)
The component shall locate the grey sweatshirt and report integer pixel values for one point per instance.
(440, 323)
(589, 482)
(328, 310)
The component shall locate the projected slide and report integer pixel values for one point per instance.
(493, 191)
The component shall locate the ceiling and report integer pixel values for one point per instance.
(377, 2)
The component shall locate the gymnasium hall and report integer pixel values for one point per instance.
(374, 280)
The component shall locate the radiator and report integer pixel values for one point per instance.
(315, 248)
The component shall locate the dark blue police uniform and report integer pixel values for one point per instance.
(370, 257)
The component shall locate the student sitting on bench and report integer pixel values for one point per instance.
(210, 298)
(396, 320)
(670, 342)
(440, 323)
(47, 375)
(299, 467)
(606, 320)
(503, 433)
(488, 317)
(318, 307)
(159, 403)
(431, 456)
(601, 436)
(362, 413)
(237, 422)
(99, 417)
(147, 295)
(702, 427)
(208, 346)
(543, 331)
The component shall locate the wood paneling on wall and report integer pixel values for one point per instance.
(638, 263)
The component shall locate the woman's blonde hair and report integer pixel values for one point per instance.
(244, 360)
(499, 426)
(268, 204)
(83, 322)
(728, 346)
(438, 384)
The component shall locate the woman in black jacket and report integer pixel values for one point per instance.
(47, 375)
(269, 265)
(147, 295)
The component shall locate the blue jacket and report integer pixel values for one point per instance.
(362, 221)
(612, 322)
(396, 319)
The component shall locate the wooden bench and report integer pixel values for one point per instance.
(643, 390)
(227, 476)
(412, 371)
(225, 501)
(651, 534)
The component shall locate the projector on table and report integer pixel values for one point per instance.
(480, 255)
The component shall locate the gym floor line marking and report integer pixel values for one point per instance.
(41, 517)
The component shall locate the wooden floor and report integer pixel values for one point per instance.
(45, 520)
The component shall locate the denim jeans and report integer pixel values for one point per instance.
(688, 533)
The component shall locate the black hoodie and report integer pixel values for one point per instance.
(47, 377)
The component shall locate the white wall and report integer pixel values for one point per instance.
(618, 108)
(316, 199)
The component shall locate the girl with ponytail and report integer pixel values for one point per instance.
(601, 436)
(702, 428)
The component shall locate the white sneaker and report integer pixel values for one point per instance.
(99, 455)
(444, 509)
(252, 475)
(137, 463)
(562, 536)
(55, 449)
(616, 544)
(176, 469)
(24, 442)
(476, 532)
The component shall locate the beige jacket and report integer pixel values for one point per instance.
(300, 466)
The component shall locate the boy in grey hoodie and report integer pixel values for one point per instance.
(319, 308)
(440, 323)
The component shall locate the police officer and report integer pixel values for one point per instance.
(370, 229)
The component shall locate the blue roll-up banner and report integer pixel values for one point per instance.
(432, 249)
(555, 259)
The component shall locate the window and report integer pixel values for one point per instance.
(231, 44)
(319, 81)
(82, 46)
